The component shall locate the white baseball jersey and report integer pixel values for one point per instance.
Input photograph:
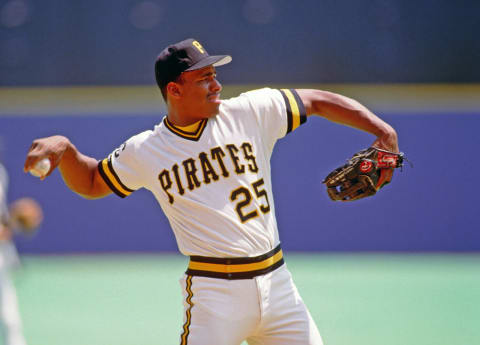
(3, 194)
(213, 184)
(8, 253)
(11, 331)
(215, 188)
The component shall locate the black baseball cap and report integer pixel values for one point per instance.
(187, 55)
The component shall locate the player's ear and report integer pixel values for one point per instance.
(174, 89)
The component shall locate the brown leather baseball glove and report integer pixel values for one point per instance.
(363, 175)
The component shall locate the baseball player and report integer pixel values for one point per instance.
(207, 162)
(23, 216)
(11, 330)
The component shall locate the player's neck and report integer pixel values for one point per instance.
(179, 119)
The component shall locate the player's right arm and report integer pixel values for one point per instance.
(79, 171)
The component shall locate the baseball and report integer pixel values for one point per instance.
(41, 168)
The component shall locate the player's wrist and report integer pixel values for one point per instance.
(387, 139)
(67, 148)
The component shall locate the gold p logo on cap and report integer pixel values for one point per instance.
(197, 45)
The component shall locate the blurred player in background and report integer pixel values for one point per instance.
(24, 216)
(208, 164)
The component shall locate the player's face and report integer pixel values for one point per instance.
(201, 92)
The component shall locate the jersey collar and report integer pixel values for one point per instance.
(194, 136)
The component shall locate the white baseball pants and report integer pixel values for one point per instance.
(265, 310)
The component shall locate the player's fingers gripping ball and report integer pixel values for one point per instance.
(41, 168)
(363, 175)
(25, 215)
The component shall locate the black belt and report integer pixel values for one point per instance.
(235, 268)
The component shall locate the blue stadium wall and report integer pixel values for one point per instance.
(430, 207)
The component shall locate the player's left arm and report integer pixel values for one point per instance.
(348, 112)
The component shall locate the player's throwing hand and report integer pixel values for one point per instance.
(53, 148)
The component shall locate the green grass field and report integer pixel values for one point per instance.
(361, 299)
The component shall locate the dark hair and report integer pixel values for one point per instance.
(164, 93)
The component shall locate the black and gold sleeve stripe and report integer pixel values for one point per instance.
(296, 113)
(111, 178)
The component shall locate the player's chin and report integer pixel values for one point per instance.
(213, 107)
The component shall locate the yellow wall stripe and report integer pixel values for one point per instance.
(112, 178)
(223, 268)
(295, 110)
(401, 99)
